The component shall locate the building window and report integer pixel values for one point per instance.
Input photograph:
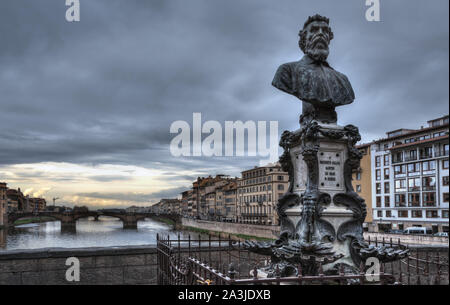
(358, 188)
(413, 184)
(446, 197)
(428, 183)
(428, 166)
(400, 170)
(416, 214)
(411, 155)
(432, 214)
(444, 213)
(414, 168)
(426, 152)
(378, 161)
(380, 214)
(402, 214)
(445, 180)
(386, 173)
(397, 157)
(386, 188)
(429, 199)
(280, 187)
(400, 185)
(414, 199)
(387, 201)
(378, 201)
(388, 213)
(280, 178)
(400, 200)
(378, 188)
(378, 174)
(358, 176)
(386, 160)
(445, 164)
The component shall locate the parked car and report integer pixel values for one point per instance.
(441, 234)
(396, 231)
(418, 230)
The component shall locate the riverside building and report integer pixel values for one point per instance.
(3, 203)
(410, 178)
(362, 180)
(258, 192)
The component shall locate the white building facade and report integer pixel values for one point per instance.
(410, 178)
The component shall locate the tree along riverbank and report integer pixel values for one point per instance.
(33, 220)
(241, 237)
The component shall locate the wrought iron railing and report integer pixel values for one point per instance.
(422, 267)
(218, 261)
(441, 153)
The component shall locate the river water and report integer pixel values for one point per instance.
(105, 232)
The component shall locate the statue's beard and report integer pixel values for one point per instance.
(317, 49)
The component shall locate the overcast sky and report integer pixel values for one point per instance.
(86, 107)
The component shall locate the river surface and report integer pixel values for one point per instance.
(105, 232)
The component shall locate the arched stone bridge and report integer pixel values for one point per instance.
(69, 219)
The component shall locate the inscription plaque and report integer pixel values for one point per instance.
(330, 169)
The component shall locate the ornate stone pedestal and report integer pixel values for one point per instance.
(325, 174)
(320, 215)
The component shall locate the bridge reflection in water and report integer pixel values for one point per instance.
(106, 232)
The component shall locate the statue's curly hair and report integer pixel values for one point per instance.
(302, 33)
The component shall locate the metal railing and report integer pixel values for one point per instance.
(218, 261)
(421, 267)
(410, 158)
(441, 153)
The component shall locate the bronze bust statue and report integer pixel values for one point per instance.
(312, 79)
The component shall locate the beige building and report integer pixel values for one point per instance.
(362, 179)
(16, 200)
(169, 206)
(186, 203)
(230, 201)
(35, 204)
(258, 192)
(206, 193)
(3, 203)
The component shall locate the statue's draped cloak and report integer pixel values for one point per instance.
(314, 82)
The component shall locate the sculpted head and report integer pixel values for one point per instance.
(315, 37)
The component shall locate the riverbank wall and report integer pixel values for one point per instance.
(112, 265)
(238, 229)
(406, 239)
(272, 232)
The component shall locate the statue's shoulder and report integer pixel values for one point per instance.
(288, 67)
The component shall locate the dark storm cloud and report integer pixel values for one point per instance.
(106, 89)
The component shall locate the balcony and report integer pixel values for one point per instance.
(441, 153)
(429, 188)
(426, 156)
(397, 160)
(429, 204)
(254, 215)
(414, 204)
(410, 158)
(414, 189)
